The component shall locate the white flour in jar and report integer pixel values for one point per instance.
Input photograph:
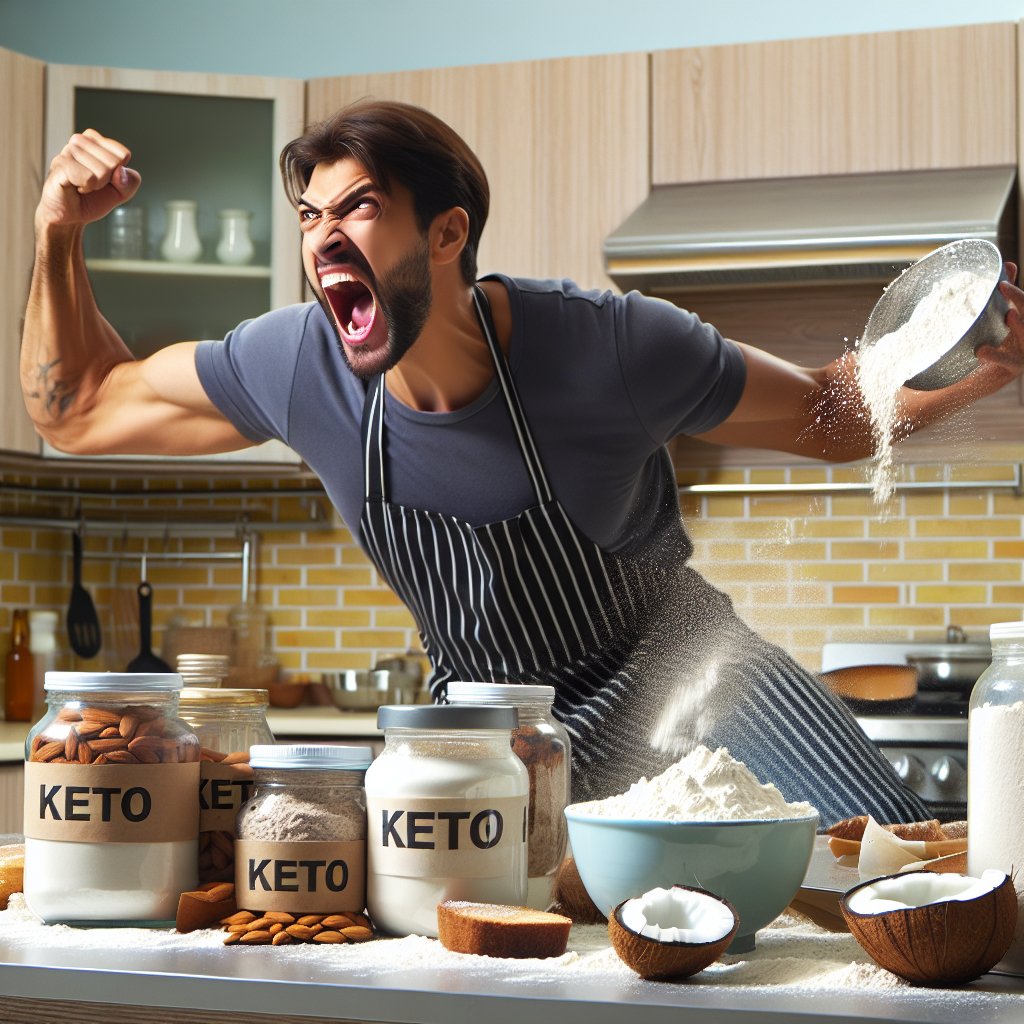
(704, 786)
(995, 803)
(938, 321)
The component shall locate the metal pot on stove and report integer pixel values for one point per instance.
(955, 665)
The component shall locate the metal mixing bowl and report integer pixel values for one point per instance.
(898, 301)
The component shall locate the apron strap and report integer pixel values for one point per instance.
(372, 434)
(523, 436)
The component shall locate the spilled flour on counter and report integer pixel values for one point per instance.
(937, 323)
(704, 786)
(793, 957)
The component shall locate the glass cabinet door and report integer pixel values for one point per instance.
(209, 240)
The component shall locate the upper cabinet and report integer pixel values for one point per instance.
(209, 240)
(564, 143)
(881, 102)
(22, 82)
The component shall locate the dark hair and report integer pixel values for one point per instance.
(404, 142)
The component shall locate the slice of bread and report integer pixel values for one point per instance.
(493, 929)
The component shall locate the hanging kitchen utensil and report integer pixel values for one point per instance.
(146, 660)
(83, 624)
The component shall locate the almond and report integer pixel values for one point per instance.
(311, 919)
(127, 726)
(110, 732)
(275, 928)
(48, 751)
(152, 727)
(105, 746)
(261, 923)
(300, 931)
(236, 757)
(232, 938)
(337, 920)
(101, 715)
(86, 730)
(85, 752)
(71, 746)
(356, 933)
(256, 938)
(281, 939)
(121, 757)
(279, 917)
(329, 937)
(242, 917)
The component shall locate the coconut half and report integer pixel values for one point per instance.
(933, 929)
(672, 933)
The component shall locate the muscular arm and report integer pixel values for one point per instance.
(84, 390)
(819, 413)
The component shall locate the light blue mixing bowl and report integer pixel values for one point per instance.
(758, 866)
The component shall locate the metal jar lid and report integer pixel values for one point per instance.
(304, 755)
(196, 697)
(446, 716)
(113, 682)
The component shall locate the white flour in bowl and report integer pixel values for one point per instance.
(937, 323)
(703, 786)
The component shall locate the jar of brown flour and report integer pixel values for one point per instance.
(300, 839)
(228, 722)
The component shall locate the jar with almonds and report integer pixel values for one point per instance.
(228, 722)
(111, 817)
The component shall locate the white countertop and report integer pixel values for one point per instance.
(326, 722)
(798, 972)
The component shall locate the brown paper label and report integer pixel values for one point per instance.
(311, 877)
(438, 837)
(223, 788)
(111, 803)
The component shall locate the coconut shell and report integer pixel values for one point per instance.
(947, 943)
(571, 897)
(655, 960)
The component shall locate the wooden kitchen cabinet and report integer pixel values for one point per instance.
(213, 139)
(891, 101)
(22, 84)
(564, 144)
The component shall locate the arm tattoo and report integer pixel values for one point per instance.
(56, 394)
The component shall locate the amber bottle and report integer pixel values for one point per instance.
(20, 676)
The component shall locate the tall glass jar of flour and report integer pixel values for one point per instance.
(995, 770)
(111, 816)
(228, 722)
(542, 744)
(301, 837)
(447, 802)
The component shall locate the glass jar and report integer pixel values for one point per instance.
(300, 839)
(228, 722)
(542, 744)
(126, 233)
(111, 817)
(202, 670)
(447, 802)
(995, 789)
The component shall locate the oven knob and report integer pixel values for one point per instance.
(911, 770)
(949, 777)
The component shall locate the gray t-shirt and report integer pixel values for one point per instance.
(605, 381)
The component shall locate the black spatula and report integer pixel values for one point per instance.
(82, 621)
(146, 660)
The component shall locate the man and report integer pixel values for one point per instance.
(498, 447)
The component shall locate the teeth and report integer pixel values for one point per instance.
(338, 277)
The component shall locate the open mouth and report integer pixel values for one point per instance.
(352, 303)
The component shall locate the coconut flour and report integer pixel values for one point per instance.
(704, 786)
(938, 321)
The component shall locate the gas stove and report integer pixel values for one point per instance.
(925, 738)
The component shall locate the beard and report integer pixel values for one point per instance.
(404, 297)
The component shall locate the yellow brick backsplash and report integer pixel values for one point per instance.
(804, 569)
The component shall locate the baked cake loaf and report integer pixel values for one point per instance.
(492, 929)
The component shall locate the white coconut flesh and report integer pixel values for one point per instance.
(677, 915)
(920, 890)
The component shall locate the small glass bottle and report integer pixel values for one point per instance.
(42, 642)
(228, 722)
(235, 244)
(181, 242)
(111, 816)
(126, 233)
(447, 805)
(300, 843)
(19, 679)
(995, 788)
(542, 744)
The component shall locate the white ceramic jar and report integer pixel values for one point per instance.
(446, 805)
(111, 815)
(995, 788)
(234, 246)
(181, 242)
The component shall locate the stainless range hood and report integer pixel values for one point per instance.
(849, 227)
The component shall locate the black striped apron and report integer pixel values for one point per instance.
(646, 657)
